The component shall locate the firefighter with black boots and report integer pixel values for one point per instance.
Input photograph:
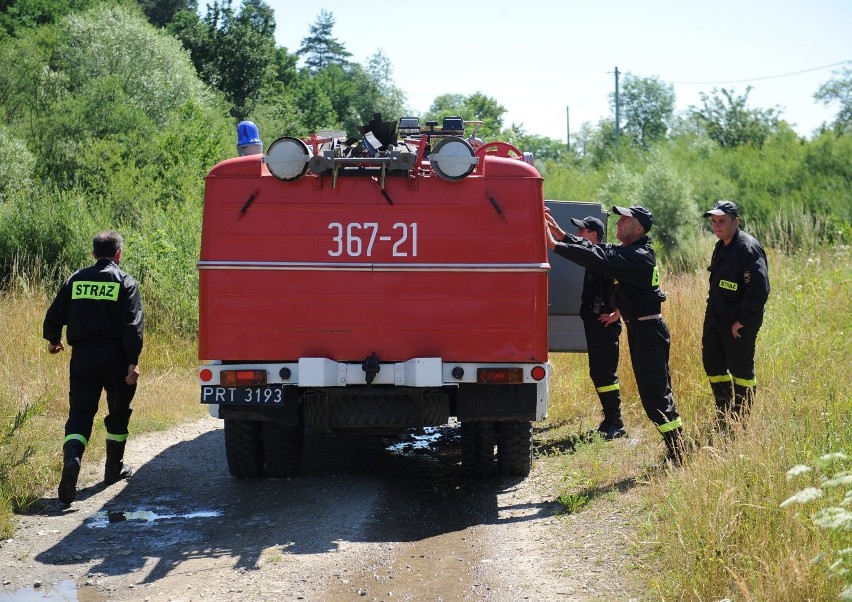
(637, 295)
(739, 288)
(602, 327)
(101, 307)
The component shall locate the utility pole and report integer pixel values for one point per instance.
(617, 114)
(568, 129)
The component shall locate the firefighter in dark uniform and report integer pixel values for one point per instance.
(602, 327)
(637, 295)
(739, 288)
(102, 309)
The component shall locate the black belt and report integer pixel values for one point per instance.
(646, 318)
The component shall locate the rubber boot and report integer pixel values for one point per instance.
(723, 393)
(612, 426)
(72, 453)
(115, 469)
(675, 452)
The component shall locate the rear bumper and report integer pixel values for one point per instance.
(416, 392)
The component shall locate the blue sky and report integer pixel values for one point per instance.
(537, 57)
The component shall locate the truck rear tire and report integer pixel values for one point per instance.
(514, 448)
(477, 444)
(244, 448)
(282, 447)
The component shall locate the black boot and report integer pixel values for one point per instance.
(115, 469)
(612, 426)
(675, 452)
(743, 399)
(72, 453)
(723, 393)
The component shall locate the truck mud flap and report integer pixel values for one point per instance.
(374, 407)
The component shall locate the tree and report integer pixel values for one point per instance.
(320, 48)
(595, 146)
(16, 15)
(476, 107)
(542, 147)
(162, 12)
(110, 42)
(231, 51)
(728, 121)
(647, 105)
(839, 89)
(17, 165)
(390, 101)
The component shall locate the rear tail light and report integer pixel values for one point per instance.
(500, 376)
(242, 378)
(538, 373)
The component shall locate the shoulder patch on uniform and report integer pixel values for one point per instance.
(747, 276)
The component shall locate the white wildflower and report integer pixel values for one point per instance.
(835, 519)
(797, 470)
(828, 459)
(803, 497)
(841, 478)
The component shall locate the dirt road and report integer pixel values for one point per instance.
(362, 522)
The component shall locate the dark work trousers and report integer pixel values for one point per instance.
(649, 342)
(96, 367)
(602, 346)
(727, 359)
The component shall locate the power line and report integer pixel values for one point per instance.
(756, 79)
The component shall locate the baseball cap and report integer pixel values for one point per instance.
(646, 219)
(590, 223)
(723, 207)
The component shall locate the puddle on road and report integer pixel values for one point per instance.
(100, 520)
(431, 435)
(67, 590)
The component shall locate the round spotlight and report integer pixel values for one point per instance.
(453, 158)
(287, 158)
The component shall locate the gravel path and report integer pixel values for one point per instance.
(360, 523)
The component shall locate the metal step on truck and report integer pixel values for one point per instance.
(380, 285)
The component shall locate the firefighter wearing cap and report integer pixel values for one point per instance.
(637, 295)
(101, 307)
(603, 328)
(739, 288)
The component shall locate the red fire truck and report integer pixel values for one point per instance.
(375, 285)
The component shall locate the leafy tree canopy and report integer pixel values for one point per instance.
(232, 51)
(839, 90)
(727, 119)
(17, 15)
(476, 107)
(647, 105)
(162, 12)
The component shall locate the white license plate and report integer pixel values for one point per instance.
(266, 395)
